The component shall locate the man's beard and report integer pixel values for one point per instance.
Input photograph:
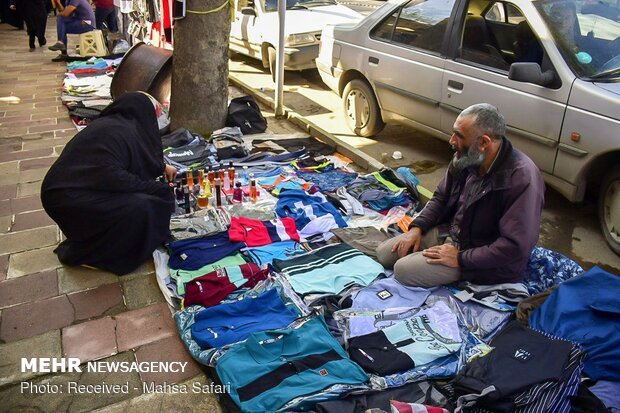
(473, 157)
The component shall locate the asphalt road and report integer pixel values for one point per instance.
(571, 229)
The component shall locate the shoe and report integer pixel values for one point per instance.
(32, 49)
(59, 46)
(42, 42)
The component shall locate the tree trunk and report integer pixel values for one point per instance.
(199, 94)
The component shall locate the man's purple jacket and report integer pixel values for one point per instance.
(500, 224)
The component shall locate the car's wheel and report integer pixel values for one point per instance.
(271, 53)
(609, 209)
(361, 109)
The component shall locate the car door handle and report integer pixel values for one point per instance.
(452, 84)
(373, 60)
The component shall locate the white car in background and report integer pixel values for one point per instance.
(552, 68)
(254, 32)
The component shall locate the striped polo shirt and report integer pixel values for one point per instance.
(329, 269)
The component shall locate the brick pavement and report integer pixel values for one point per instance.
(46, 309)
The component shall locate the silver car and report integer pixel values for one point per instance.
(552, 67)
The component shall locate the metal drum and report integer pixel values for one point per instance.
(144, 68)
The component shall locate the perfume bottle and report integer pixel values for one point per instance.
(190, 178)
(201, 177)
(253, 196)
(206, 189)
(237, 194)
(203, 201)
(244, 176)
(211, 176)
(188, 204)
(179, 193)
(218, 192)
(231, 175)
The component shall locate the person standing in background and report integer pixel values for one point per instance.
(105, 13)
(10, 15)
(34, 13)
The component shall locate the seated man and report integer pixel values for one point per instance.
(484, 217)
(75, 18)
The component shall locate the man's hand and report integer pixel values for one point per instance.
(68, 11)
(408, 242)
(170, 172)
(445, 254)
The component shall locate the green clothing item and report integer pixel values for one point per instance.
(185, 276)
(389, 185)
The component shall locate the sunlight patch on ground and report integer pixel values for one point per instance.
(10, 99)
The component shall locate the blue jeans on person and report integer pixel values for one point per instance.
(107, 16)
(71, 25)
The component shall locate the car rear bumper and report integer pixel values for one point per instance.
(329, 74)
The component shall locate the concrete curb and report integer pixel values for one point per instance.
(360, 158)
(365, 161)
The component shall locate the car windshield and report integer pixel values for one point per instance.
(587, 34)
(272, 5)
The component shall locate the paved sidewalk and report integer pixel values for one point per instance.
(48, 310)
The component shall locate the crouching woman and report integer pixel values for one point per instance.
(102, 191)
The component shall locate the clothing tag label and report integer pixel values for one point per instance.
(220, 273)
(366, 355)
(271, 340)
(323, 372)
(384, 295)
(464, 296)
(184, 256)
(199, 286)
(522, 355)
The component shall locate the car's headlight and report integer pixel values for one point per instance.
(299, 39)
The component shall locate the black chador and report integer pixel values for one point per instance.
(102, 191)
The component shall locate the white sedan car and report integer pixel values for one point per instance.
(254, 31)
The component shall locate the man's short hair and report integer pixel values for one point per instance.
(487, 120)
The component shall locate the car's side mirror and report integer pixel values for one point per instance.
(530, 73)
(248, 11)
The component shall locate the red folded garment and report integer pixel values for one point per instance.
(256, 233)
(210, 289)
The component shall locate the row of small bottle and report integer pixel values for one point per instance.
(213, 190)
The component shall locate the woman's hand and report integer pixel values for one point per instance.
(170, 172)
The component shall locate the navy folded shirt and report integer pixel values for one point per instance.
(192, 254)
